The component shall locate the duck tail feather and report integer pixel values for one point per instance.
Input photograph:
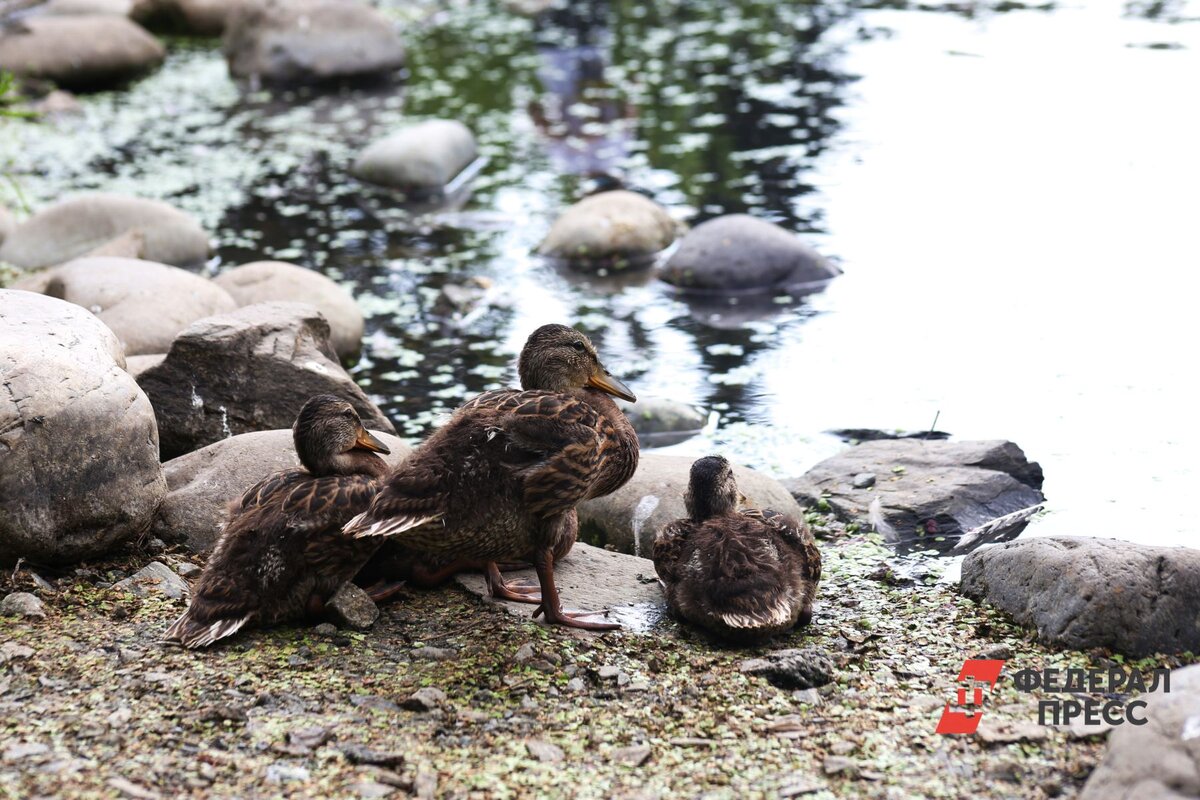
(363, 526)
(193, 634)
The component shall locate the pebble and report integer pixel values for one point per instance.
(325, 629)
(371, 789)
(606, 672)
(11, 651)
(351, 607)
(809, 697)
(842, 748)
(634, 755)
(637, 686)
(22, 604)
(425, 699)
(996, 651)
(797, 785)
(544, 751)
(840, 765)
(524, 653)
(282, 772)
(792, 669)
(993, 731)
(864, 480)
(433, 653)
(22, 750)
(156, 577)
(576, 685)
(361, 754)
(186, 569)
(309, 738)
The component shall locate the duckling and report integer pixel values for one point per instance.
(500, 481)
(282, 554)
(745, 574)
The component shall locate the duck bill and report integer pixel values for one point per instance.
(366, 441)
(610, 385)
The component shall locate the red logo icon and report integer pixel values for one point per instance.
(975, 673)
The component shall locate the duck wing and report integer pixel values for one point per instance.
(670, 544)
(797, 537)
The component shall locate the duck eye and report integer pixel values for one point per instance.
(578, 346)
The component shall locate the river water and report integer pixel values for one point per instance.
(1012, 193)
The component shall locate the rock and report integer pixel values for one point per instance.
(1081, 592)
(425, 699)
(131, 244)
(806, 668)
(22, 750)
(263, 281)
(361, 754)
(617, 229)
(8, 223)
(863, 480)
(1004, 731)
(936, 494)
(525, 653)
(432, 653)
(840, 765)
(75, 227)
(55, 105)
(632, 756)
(371, 789)
(191, 17)
(249, 370)
(576, 685)
(144, 303)
(739, 254)
(136, 365)
(424, 157)
(11, 651)
(325, 629)
(305, 41)
(800, 784)
(660, 422)
(80, 53)
(187, 569)
(544, 751)
(201, 485)
(283, 772)
(22, 604)
(79, 469)
(351, 607)
(629, 518)
(68, 8)
(154, 578)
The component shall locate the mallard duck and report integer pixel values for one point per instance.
(500, 481)
(282, 554)
(743, 573)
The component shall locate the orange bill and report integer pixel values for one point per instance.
(366, 441)
(605, 382)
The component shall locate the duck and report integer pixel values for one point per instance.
(282, 555)
(499, 482)
(743, 573)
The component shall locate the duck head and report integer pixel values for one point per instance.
(557, 358)
(712, 490)
(331, 440)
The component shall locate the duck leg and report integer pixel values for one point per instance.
(551, 605)
(384, 590)
(500, 589)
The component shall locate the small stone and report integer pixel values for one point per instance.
(11, 651)
(361, 754)
(283, 772)
(544, 751)
(22, 604)
(524, 653)
(840, 765)
(996, 651)
(864, 480)
(187, 569)
(576, 685)
(352, 607)
(792, 669)
(633, 756)
(425, 699)
(842, 748)
(120, 718)
(1002, 731)
(154, 578)
(309, 738)
(128, 788)
(638, 686)
(809, 697)
(607, 672)
(22, 750)
(325, 629)
(433, 653)
(797, 785)
(425, 783)
(371, 789)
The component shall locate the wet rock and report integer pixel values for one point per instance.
(424, 157)
(544, 751)
(264, 281)
(8, 223)
(934, 494)
(741, 254)
(146, 304)
(136, 365)
(632, 756)
(200, 485)
(79, 469)
(79, 52)
(249, 370)
(628, 519)
(75, 227)
(22, 604)
(427, 698)
(617, 229)
(351, 607)
(192, 17)
(660, 422)
(154, 578)
(306, 41)
(1081, 592)
(806, 668)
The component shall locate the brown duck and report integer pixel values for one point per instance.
(745, 574)
(282, 554)
(500, 481)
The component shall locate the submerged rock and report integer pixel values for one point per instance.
(306, 41)
(249, 370)
(1082, 592)
(144, 303)
(200, 485)
(617, 229)
(154, 578)
(660, 421)
(929, 494)
(79, 467)
(741, 254)
(192, 17)
(424, 157)
(79, 52)
(263, 281)
(77, 226)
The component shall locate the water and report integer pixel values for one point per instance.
(1012, 193)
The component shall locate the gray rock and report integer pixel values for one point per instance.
(79, 52)
(79, 467)
(738, 254)
(249, 370)
(576, 685)
(200, 485)
(75, 227)
(424, 157)
(432, 653)
(660, 421)
(806, 668)
(935, 494)
(840, 765)
(544, 751)
(351, 607)
(21, 750)
(22, 604)
(427, 698)
(360, 754)
(629, 518)
(863, 480)
(1081, 592)
(632, 756)
(8, 223)
(283, 772)
(146, 304)
(187, 569)
(136, 365)
(264, 281)
(306, 41)
(69, 8)
(154, 578)
(192, 17)
(617, 229)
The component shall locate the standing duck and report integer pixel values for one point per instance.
(282, 554)
(745, 574)
(500, 481)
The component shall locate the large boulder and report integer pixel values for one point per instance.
(79, 52)
(263, 281)
(629, 518)
(738, 254)
(305, 41)
(1159, 760)
(249, 370)
(1081, 592)
(939, 495)
(145, 304)
(660, 421)
(617, 230)
(201, 485)
(424, 157)
(77, 226)
(79, 467)
(192, 17)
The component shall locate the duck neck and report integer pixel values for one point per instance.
(351, 462)
(623, 459)
(704, 503)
